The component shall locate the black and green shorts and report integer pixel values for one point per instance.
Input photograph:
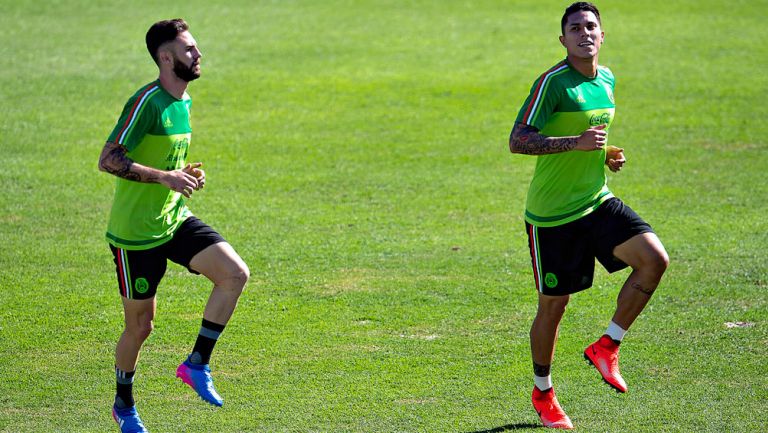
(140, 271)
(563, 257)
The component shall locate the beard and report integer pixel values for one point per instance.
(184, 72)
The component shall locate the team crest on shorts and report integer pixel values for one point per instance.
(141, 285)
(550, 280)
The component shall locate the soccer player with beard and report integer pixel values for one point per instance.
(571, 216)
(150, 222)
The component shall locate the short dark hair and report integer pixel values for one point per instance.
(162, 32)
(576, 7)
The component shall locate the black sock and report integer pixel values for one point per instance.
(541, 370)
(206, 339)
(541, 377)
(124, 395)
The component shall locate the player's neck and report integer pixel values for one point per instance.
(173, 84)
(586, 67)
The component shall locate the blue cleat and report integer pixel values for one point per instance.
(128, 420)
(199, 378)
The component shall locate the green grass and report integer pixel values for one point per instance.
(356, 155)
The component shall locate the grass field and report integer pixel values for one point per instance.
(356, 155)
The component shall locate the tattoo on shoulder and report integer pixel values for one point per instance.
(527, 140)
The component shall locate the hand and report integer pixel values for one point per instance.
(195, 170)
(592, 139)
(614, 158)
(180, 181)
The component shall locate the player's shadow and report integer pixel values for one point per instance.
(508, 427)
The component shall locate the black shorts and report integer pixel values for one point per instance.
(139, 272)
(563, 257)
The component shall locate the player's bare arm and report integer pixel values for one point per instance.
(527, 139)
(114, 160)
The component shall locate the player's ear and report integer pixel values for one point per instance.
(164, 56)
(562, 40)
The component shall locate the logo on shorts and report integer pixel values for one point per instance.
(550, 280)
(141, 285)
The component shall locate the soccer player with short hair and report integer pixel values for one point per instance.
(150, 222)
(571, 216)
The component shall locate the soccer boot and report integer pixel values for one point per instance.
(546, 405)
(199, 378)
(604, 355)
(128, 420)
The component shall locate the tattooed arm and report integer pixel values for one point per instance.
(527, 140)
(114, 160)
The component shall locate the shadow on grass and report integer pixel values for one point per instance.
(508, 427)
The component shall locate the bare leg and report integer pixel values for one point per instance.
(139, 315)
(646, 255)
(543, 340)
(648, 259)
(221, 264)
(224, 267)
(545, 327)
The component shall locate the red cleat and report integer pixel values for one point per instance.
(549, 410)
(604, 355)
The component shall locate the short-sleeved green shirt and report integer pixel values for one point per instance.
(156, 130)
(568, 185)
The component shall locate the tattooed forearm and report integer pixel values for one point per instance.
(113, 160)
(527, 140)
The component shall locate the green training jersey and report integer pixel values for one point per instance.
(156, 130)
(568, 185)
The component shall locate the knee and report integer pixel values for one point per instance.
(140, 330)
(558, 310)
(553, 310)
(658, 263)
(238, 276)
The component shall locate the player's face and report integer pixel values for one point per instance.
(583, 35)
(186, 57)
